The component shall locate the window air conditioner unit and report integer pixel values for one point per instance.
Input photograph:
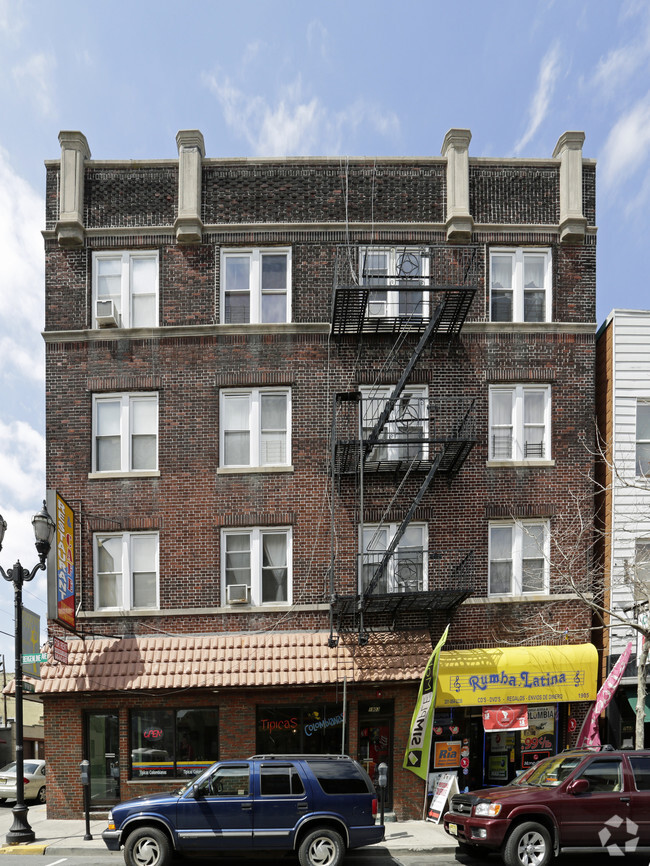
(238, 593)
(106, 314)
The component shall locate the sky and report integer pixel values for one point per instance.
(351, 78)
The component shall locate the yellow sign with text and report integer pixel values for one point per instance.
(517, 675)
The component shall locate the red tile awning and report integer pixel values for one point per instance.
(233, 660)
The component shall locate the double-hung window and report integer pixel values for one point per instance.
(642, 438)
(520, 422)
(256, 565)
(406, 569)
(407, 426)
(518, 555)
(255, 286)
(125, 289)
(125, 432)
(126, 570)
(255, 427)
(397, 273)
(520, 285)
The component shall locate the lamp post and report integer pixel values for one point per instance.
(44, 529)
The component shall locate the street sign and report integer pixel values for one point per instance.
(28, 687)
(34, 658)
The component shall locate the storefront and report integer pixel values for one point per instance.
(500, 710)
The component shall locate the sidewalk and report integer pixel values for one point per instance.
(66, 838)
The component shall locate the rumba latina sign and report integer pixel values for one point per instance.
(517, 675)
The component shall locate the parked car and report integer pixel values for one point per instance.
(577, 801)
(316, 805)
(34, 776)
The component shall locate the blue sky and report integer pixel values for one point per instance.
(299, 78)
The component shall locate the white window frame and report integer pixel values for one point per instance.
(125, 304)
(520, 449)
(127, 539)
(370, 535)
(256, 536)
(412, 405)
(644, 443)
(126, 401)
(518, 256)
(254, 428)
(255, 290)
(520, 531)
(384, 302)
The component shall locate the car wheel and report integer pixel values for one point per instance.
(473, 851)
(40, 797)
(147, 846)
(529, 844)
(321, 848)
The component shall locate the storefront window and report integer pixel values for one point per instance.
(308, 730)
(173, 743)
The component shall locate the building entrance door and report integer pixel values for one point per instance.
(102, 749)
(376, 742)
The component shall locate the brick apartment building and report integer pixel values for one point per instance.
(307, 412)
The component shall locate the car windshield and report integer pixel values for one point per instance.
(549, 773)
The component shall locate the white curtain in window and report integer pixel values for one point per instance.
(143, 291)
(143, 570)
(236, 424)
(108, 454)
(144, 427)
(500, 560)
(274, 429)
(274, 567)
(109, 571)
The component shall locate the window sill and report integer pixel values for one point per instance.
(521, 598)
(144, 473)
(250, 470)
(519, 464)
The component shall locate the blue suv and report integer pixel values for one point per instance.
(316, 805)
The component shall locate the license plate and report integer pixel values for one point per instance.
(453, 829)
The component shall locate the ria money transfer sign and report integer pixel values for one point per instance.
(416, 757)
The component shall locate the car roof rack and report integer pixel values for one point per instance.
(300, 757)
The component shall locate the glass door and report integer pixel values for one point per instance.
(102, 750)
(376, 742)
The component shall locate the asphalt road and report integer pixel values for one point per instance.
(369, 857)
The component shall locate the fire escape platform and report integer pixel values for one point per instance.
(393, 605)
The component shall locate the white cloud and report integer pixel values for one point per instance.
(628, 145)
(294, 124)
(548, 75)
(317, 37)
(34, 80)
(21, 277)
(22, 462)
(11, 17)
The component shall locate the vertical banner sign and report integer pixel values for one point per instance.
(589, 736)
(416, 757)
(65, 577)
(31, 642)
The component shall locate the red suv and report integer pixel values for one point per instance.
(576, 801)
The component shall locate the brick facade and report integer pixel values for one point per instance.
(310, 206)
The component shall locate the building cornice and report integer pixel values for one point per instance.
(94, 335)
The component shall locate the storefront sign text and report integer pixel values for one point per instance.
(279, 724)
(323, 723)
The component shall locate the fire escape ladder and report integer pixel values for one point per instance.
(401, 529)
(373, 438)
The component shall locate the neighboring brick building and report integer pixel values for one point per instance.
(220, 335)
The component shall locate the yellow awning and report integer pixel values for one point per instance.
(517, 675)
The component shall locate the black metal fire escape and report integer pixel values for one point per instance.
(431, 300)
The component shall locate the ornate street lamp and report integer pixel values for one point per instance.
(44, 530)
